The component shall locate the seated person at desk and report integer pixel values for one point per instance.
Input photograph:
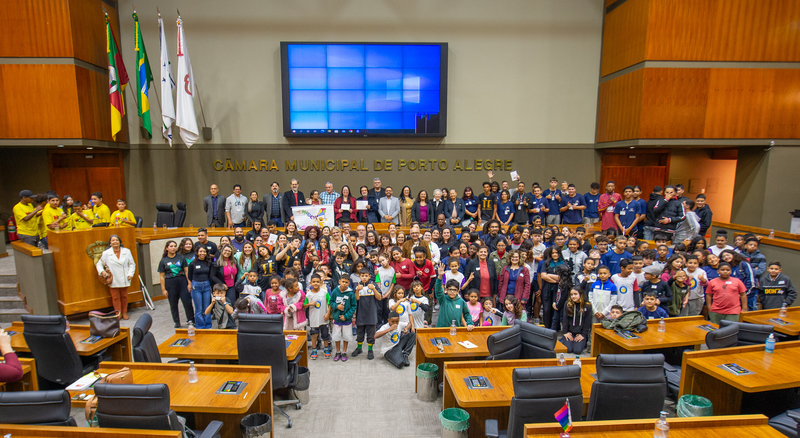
(11, 370)
(651, 309)
(221, 308)
(395, 341)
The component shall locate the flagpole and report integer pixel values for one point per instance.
(155, 89)
(202, 111)
(129, 88)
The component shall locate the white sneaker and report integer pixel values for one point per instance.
(436, 308)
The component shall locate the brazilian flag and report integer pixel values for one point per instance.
(144, 77)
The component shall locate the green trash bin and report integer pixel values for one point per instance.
(455, 423)
(426, 382)
(694, 406)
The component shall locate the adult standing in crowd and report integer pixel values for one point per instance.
(255, 209)
(552, 198)
(292, 198)
(437, 205)
(200, 281)
(174, 273)
(605, 206)
(370, 215)
(378, 192)
(118, 262)
(27, 218)
(389, 207)
(673, 213)
(454, 209)
(272, 205)
(521, 204)
(235, 208)
(704, 212)
(420, 211)
(329, 196)
(591, 215)
(344, 207)
(406, 205)
(471, 207)
(571, 206)
(214, 206)
(655, 206)
(202, 240)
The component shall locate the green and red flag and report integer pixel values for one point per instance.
(144, 77)
(117, 80)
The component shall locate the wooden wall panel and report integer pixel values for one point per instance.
(784, 115)
(738, 103)
(645, 177)
(88, 29)
(624, 36)
(619, 107)
(41, 101)
(35, 28)
(674, 103)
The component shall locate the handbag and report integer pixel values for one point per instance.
(106, 279)
(105, 325)
(121, 376)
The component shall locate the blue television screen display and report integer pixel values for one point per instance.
(364, 89)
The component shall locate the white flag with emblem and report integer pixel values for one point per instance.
(167, 85)
(186, 119)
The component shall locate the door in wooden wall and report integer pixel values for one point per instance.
(79, 174)
(626, 167)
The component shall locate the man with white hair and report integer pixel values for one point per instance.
(329, 196)
(378, 192)
(436, 205)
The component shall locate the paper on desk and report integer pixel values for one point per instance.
(362, 205)
(291, 337)
(467, 344)
(85, 382)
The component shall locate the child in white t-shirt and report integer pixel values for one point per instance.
(453, 273)
(399, 304)
(418, 304)
(395, 340)
(385, 279)
(627, 287)
(316, 302)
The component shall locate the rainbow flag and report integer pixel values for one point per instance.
(564, 417)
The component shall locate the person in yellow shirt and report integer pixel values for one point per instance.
(100, 211)
(122, 216)
(82, 217)
(53, 216)
(27, 218)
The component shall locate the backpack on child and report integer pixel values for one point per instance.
(632, 321)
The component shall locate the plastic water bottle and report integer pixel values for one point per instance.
(577, 361)
(453, 330)
(769, 347)
(155, 227)
(66, 327)
(662, 326)
(771, 234)
(192, 373)
(662, 427)
(190, 331)
(561, 360)
(782, 312)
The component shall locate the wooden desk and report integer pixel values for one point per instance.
(763, 316)
(701, 375)
(200, 397)
(29, 381)
(119, 347)
(495, 402)
(735, 426)
(211, 345)
(681, 332)
(22, 430)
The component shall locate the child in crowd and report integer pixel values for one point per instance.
(651, 309)
(248, 304)
(600, 293)
(400, 304)
(385, 279)
(776, 289)
(453, 308)
(513, 311)
(653, 284)
(367, 312)
(638, 265)
(294, 318)
(418, 305)
(317, 302)
(454, 273)
(490, 315)
(674, 264)
(343, 306)
(662, 255)
(122, 217)
(576, 322)
(273, 299)
(626, 294)
(396, 341)
(612, 258)
(474, 306)
(726, 296)
(248, 285)
(80, 218)
(697, 281)
(680, 295)
(324, 272)
(616, 312)
(221, 308)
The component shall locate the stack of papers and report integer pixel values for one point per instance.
(85, 382)
(467, 344)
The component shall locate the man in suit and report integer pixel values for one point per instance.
(436, 206)
(214, 206)
(292, 198)
(377, 192)
(389, 208)
(272, 205)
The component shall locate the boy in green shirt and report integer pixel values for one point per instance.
(341, 311)
(451, 306)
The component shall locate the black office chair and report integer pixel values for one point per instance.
(130, 406)
(720, 338)
(180, 215)
(145, 348)
(537, 342)
(505, 344)
(538, 394)
(628, 386)
(787, 423)
(43, 408)
(139, 221)
(261, 342)
(57, 362)
(164, 215)
(751, 334)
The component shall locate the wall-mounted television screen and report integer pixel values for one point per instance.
(364, 89)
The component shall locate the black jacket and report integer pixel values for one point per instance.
(705, 218)
(674, 212)
(288, 202)
(416, 211)
(475, 267)
(655, 206)
(435, 210)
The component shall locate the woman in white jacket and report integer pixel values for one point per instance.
(120, 262)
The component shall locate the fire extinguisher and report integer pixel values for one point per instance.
(11, 226)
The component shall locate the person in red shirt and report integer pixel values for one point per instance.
(403, 268)
(605, 206)
(726, 296)
(424, 272)
(11, 370)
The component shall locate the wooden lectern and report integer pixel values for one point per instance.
(76, 276)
